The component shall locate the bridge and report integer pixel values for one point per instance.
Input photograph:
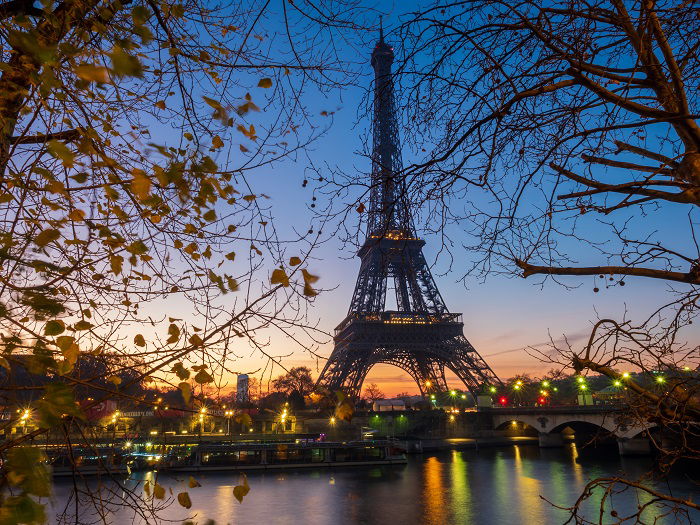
(631, 433)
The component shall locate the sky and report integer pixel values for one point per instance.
(503, 315)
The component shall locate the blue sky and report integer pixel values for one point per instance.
(502, 315)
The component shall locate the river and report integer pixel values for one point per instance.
(490, 486)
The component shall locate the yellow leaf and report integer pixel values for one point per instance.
(216, 142)
(115, 261)
(139, 340)
(54, 327)
(160, 104)
(158, 491)
(46, 236)
(115, 380)
(196, 340)
(294, 261)
(186, 391)
(82, 325)
(279, 277)
(265, 83)
(140, 184)
(183, 498)
(202, 377)
(243, 148)
(59, 150)
(239, 491)
(194, 483)
(92, 73)
(71, 354)
(309, 291)
(174, 333)
(308, 278)
(76, 215)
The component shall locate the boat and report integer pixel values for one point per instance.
(259, 456)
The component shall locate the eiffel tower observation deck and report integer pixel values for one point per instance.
(421, 336)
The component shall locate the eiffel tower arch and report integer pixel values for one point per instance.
(421, 336)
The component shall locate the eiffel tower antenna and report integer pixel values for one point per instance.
(421, 336)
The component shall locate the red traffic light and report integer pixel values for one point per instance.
(541, 401)
(503, 401)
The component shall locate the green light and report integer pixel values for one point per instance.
(582, 387)
(555, 389)
(516, 387)
(464, 396)
(686, 369)
(453, 393)
(545, 384)
(625, 375)
(492, 389)
(580, 379)
(617, 383)
(660, 379)
(432, 396)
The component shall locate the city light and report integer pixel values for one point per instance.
(503, 401)
(453, 393)
(203, 410)
(686, 369)
(464, 396)
(580, 379)
(428, 384)
(582, 386)
(127, 444)
(492, 389)
(516, 387)
(660, 379)
(626, 375)
(452, 418)
(333, 420)
(545, 384)
(617, 382)
(432, 396)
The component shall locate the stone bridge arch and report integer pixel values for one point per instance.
(550, 422)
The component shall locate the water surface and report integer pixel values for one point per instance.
(489, 486)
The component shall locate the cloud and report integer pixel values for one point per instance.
(571, 337)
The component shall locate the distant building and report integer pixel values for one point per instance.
(382, 405)
(242, 395)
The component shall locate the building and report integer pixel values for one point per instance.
(242, 395)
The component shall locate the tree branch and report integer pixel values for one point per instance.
(528, 269)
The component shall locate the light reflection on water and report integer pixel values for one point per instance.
(488, 486)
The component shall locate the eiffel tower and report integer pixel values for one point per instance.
(421, 336)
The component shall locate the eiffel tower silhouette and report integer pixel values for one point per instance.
(422, 337)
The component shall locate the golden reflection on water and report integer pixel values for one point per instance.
(576, 466)
(434, 491)
(527, 489)
(461, 491)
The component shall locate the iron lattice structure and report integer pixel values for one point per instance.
(421, 336)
